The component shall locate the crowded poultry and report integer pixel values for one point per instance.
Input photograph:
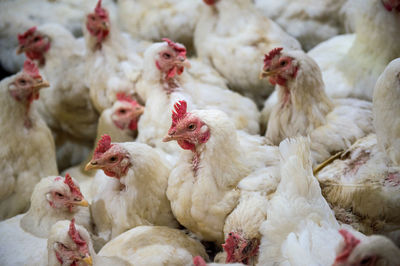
(200, 132)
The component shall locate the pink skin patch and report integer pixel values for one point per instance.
(132, 113)
(34, 45)
(240, 250)
(350, 244)
(199, 261)
(97, 24)
(393, 179)
(210, 2)
(391, 5)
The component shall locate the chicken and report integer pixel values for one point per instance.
(199, 261)
(311, 22)
(70, 244)
(17, 16)
(202, 187)
(28, 151)
(386, 109)
(351, 64)
(120, 123)
(113, 63)
(156, 19)
(53, 199)
(232, 36)
(143, 245)
(365, 176)
(66, 105)
(303, 108)
(133, 194)
(164, 82)
(301, 228)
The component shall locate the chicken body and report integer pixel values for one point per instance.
(202, 187)
(351, 64)
(134, 198)
(233, 36)
(28, 151)
(30, 230)
(157, 19)
(304, 109)
(311, 22)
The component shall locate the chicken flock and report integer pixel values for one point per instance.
(214, 132)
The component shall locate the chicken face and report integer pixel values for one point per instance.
(113, 159)
(187, 129)
(126, 112)
(239, 249)
(25, 87)
(73, 250)
(34, 44)
(391, 5)
(172, 60)
(65, 195)
(98, 23)
(279, 68)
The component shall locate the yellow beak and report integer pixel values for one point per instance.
(168, 138)
(88, 260)
(91, 165)
(83, 203)
(265, 74)
(43, 84)
(20, 49)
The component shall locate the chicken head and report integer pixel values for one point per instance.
(26, 85)
(279, 68)
(240, 249)
(74, 249)
(113, 159)
(187, 129)
(126, 112)
(391, 5)
(98, 23)
(172, 60)
(34, 44)
(65, 194)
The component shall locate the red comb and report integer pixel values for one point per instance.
(179, 112)
(274, 52)
(179, 48)
(74, 189)
(74, 234)
(22, 37)
(199, 261)
(122, 97)
(102, 146)
(350, 243)
(31, 69)
(99, 10)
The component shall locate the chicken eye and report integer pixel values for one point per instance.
(113, 159)
(283, 63)
(122, 111)
(365, 261)
(22, 81)
(191, 127)
(166, 55)
(58, 194)
(36, 39)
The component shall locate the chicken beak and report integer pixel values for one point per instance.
(41, 84)
(265, 73)
(91, 165)
(21, 49)
(83, 203)
(139, 111)
(168, 138)
(88, 260)
(182, 61)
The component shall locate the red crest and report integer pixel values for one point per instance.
(74, 189)
(179, 48)
(122, 97)
(31, 69)
(350, 243)
(74, 234)
(22, 37)
(102, 146)
(99, 10)
(179, 112)
(274, 52)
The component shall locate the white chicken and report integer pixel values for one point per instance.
(134, 192)
(53, 199)
(28, 151)
(140, 246)
(157, 19)
(311, 21)
(66, 105)
(365, 176)
(303, 108)
(351, 64)
(120, 123)
(17, 16)
(113, 63)
(164, 82)
(232, 36)
(301, 228)
(202, 187)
